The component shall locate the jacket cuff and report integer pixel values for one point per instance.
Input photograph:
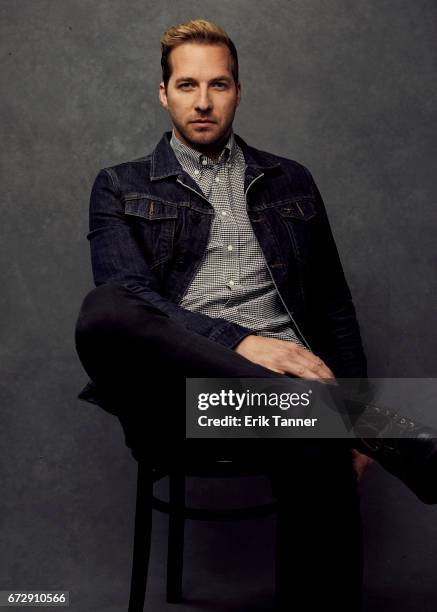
(230, 334)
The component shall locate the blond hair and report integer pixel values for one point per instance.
(199, 31)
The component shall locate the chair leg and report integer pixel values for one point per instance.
(142, 538)
(176, 526)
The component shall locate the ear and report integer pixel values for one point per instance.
(163, 96)
(238, 92)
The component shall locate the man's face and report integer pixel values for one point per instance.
(201, 87)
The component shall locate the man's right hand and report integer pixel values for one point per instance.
(283, 356)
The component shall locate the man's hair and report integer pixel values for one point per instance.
(196, 31)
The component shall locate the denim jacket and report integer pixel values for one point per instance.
(149, 227)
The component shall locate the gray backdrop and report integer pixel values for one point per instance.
(348, 89)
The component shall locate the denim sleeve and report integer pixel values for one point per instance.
(116, 258)
(331, 300)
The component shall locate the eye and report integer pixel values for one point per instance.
(220, 85)
(185, 85)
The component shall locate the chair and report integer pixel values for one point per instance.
(178, 512)
(175, 508)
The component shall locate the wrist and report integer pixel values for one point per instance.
(244, 343)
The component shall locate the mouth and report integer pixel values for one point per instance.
(203, 122)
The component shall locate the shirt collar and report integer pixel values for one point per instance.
(184, 151)
(164, 163)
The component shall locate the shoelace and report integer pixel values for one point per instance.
(395, 416)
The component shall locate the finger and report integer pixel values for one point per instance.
(307, 369)
(320, 369)
(274, 369)
(313, 362)
(301, 370)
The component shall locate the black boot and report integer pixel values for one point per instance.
(405, 448)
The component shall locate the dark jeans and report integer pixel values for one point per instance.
(139, 359)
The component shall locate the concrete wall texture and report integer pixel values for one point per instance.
(348, 89)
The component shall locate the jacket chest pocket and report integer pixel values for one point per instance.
(298, 217)
(153, 223)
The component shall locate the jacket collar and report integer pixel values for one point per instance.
(165, 164)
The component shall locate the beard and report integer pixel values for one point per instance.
(203, 139)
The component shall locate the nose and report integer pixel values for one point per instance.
(203, 102)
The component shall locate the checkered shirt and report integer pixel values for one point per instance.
(233, 281)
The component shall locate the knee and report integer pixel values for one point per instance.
(114, 309)
(102, 309)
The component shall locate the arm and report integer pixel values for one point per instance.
(332, 312)
(116, 258)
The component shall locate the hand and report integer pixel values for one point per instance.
(360, 462)
(283, 356)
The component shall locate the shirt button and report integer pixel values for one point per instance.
(217, 180)
(231, 283)
(204, 162)
(224, 213)
(230, 247)
(196, 172)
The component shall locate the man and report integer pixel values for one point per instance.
(214, 259)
